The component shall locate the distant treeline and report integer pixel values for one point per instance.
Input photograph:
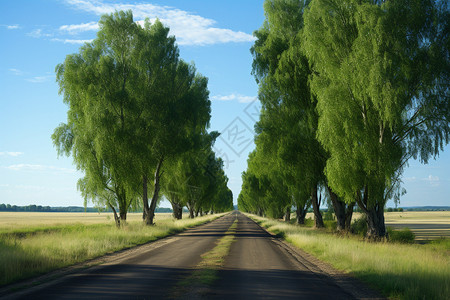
(39, 208)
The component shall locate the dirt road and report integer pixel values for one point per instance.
(258, 266)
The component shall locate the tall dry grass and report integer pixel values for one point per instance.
(37, 249)
(399, 271)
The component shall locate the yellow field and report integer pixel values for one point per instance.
(426, 225)
(16, 220)
(36, 243)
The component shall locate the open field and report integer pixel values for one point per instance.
(400, 271)
(16, 220)
(36, 243)
(426, 225)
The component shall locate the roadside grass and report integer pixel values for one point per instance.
(27, 252)
(399, 271)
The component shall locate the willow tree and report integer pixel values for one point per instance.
(381, 80)
(289, 117)
(95, 83)
(174, 106)
(132, 104)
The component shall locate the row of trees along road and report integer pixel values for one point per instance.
(137, 122)
(350, 91)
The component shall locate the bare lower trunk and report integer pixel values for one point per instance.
(155, 196)
(191, 212)
(342, 211)
(116, 217)
(318, 220)
(301, 213)
(177, 210)
(287, 215)
(260, 212)
(376, 229)
(146, 208)
(348, 216)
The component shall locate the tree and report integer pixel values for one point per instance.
(95, 84)
(132, 104)
(289, 114)
(174, 106)
(381, 81)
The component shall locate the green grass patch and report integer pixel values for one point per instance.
(206, 271)
(399, 271)
(27, 252)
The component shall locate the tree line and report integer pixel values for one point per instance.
(351, 90)
(137, 123)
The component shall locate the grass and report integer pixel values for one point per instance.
(399, 271)
(40, 248)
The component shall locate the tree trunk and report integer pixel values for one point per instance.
(116, 218)
(318, 220)
(146, 213)
(287, 215)
(177, 210)
(376, 229)
(155, 196)
(201, 212)
(348, 216)
(301, 212)
(191, 212)
(341, 211)
(260, 212)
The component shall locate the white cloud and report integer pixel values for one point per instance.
(16, 72)
(433, 181)
(10, 27)
(78, 28)
(72, 41)
(38, 168)
(240, 98)
(39, 79)
(38, 33)
(189, 29)
(15, 154)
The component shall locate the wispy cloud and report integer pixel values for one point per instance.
(38, 33)
(39, 79)
(433, 181)
(16, 72)
(12, 27)
(189, 29)
(14, 154)
(78, 28)
(38, 168)
(240, 98)
(71, 41)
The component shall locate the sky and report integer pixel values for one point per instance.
(35, 36)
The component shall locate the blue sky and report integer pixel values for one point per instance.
(216, 35)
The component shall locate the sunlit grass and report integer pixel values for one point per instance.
(26, 252)
(399, 271)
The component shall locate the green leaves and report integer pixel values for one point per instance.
(132, 104)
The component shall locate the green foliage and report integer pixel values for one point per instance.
(359, 226)
(380, 97)
(404, 236)
(133, 105)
